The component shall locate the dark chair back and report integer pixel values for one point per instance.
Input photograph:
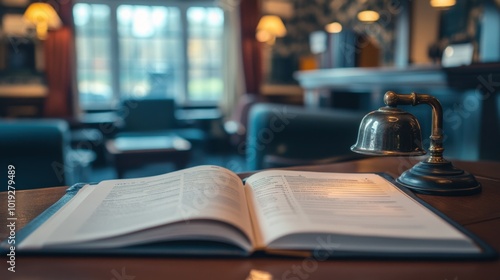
(294, 135)
(37, 150)
(154, 117)
(142, 115)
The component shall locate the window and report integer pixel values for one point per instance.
(93, 47)
(204, 50)
(148, 51)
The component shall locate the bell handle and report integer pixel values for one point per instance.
(436, 149)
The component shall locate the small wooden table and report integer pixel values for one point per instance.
(134, 151)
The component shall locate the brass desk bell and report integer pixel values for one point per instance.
(390, 131)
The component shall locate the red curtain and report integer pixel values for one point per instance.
(250, 11)
(58, 54)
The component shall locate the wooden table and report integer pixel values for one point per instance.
(478, 213)
(133, 151)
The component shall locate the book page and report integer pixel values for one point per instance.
(294, 202)
(118, 207)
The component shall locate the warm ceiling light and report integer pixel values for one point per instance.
(368, 16)
(43, 16)
(334, 27)
(269, 28)
(443, 4)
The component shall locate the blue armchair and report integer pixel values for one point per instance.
(41, 154)
(285, 135)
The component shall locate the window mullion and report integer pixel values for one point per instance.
(115, 55)
(184, 52)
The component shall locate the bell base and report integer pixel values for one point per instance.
(439, 179)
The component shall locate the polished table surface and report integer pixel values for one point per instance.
(136, 150)
(478, 213)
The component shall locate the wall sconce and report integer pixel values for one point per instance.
(269, 28)
(368, 16)
(43, 16)
(442, 4)
(390, 131)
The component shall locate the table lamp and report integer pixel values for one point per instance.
(390, 131)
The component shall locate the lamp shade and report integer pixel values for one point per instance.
(389, 131)
(43, 16)
(273, 25)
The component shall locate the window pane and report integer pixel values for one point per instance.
(150, 58)
(92, 31)
(150, 51)
(205, 31)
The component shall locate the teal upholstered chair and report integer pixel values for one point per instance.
(285, 135)
(41, 154)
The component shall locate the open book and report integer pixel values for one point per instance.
(209, 210)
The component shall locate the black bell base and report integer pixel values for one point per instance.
(439, 179)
